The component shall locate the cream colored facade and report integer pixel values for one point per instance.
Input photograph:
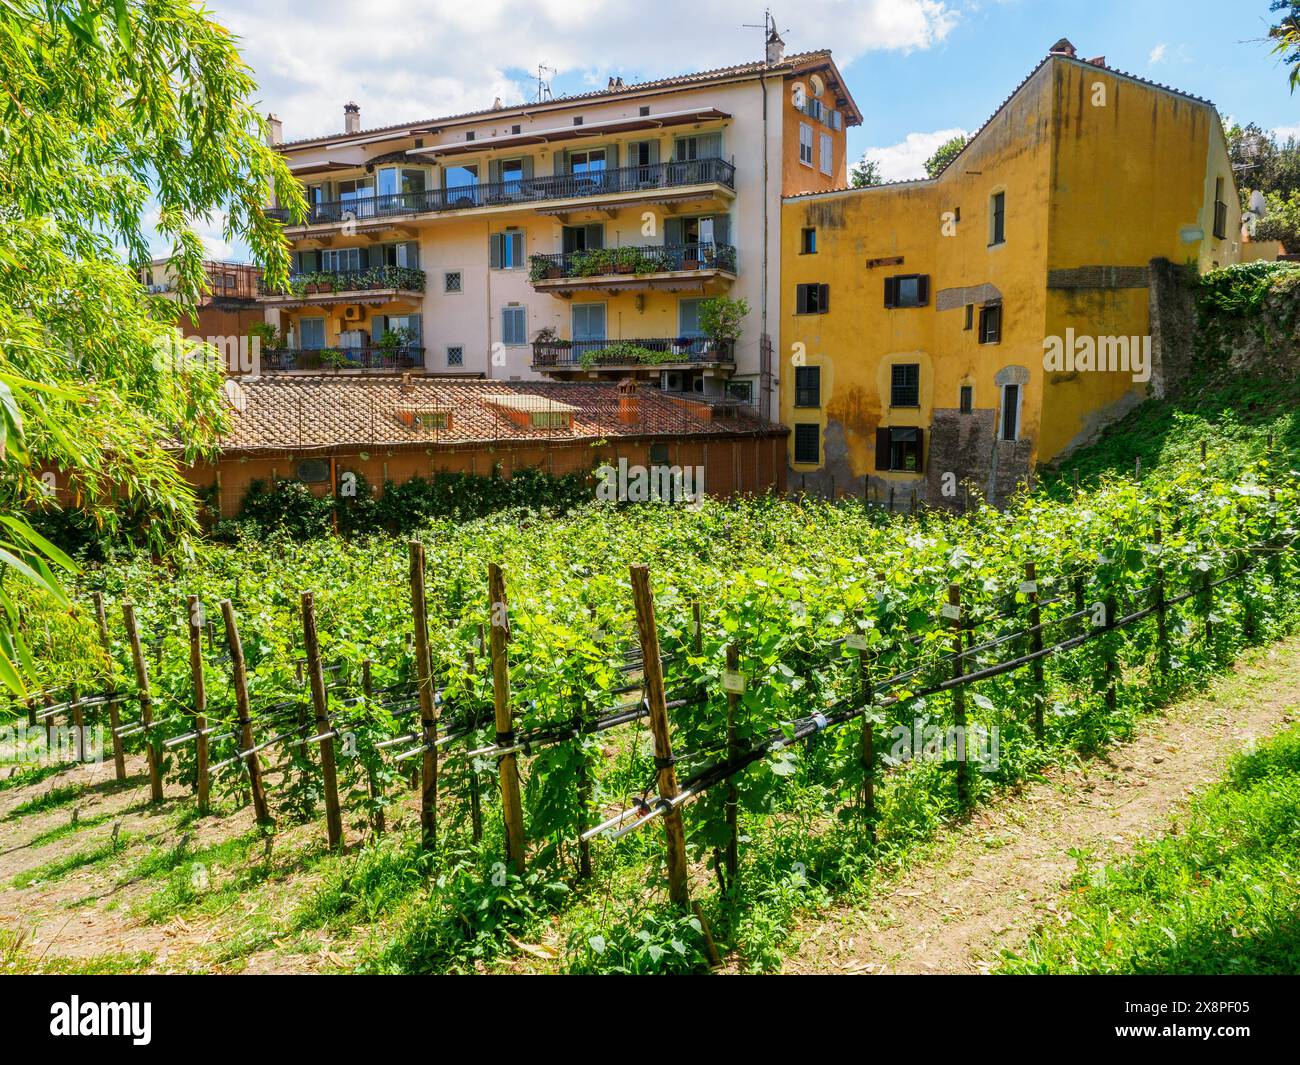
(685, 170)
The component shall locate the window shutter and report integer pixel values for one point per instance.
(415, 322)
(595, 235)
(378, 327)
(528, 167)
(517, 248)
(891, 292)
(674, 234)
(825, 298)
(882, 449)
(495, 243)
(722, 229)
(920, 451)
(801, 299)
(923, 290)
(562, 161)
(494, 170)
(611, 157)
(654, 152)
(413, 253)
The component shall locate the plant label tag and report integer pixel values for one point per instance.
(733, 682)
(951, 611)
(1028, 587)
(856, 642)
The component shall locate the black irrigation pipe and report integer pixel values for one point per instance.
(841, 713)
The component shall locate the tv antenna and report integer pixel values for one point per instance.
(544, 85)
(768, 28)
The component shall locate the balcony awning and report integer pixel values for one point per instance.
(562, 133)
(321, 168)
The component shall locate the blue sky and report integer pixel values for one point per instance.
(919, 69)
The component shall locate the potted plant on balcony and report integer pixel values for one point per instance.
(721, 320)
(691, 257)
(625, 260)
(333, 359)
(392, 342)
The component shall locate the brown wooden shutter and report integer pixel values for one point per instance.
(801, 299)
(824, 302)
(882, 449)
(891, 291)
(923, 290)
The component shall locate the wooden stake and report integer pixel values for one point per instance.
(1112, 663)
(240, 679)
(319, 700)
(377, 820)
(733, 798)
(114, 717)
(195, 627)
(1162, 611)
(678, 891)
(958, 693)
(428, 717)
(1036, 645)
(475, 801)
(508, 764)
(867, 755)
(78, 724)
(146, 703)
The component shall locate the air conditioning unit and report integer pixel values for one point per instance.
(353, 312)
(671, 381)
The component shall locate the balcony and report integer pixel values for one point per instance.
(371, 358)
(671, 268)
(566, 357)
(630, 183)
(319, 287)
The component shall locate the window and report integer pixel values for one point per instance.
(456, 356)
(506, 250)
(577, 121)
(699, 146)
(991, 324)
(1220, 211)
(341, 260)
(741, 390)
(514, 326)
(688, 318)
(967, 401)
(905, 384)
(470, 135)
(805, 144)
(459, 177)
(812, 299)
(907, 290)
(899, 449)
(970, 316)
(807, 386)
(582, 238)
(1010, 412)
(591, 161)
(645, 110)
(827, 154)
(998, 218)
(311, 333)
(515, 130)
(808, 241)
(452, 281)
(314, 471)
(403, 253)
(400, 180)
(807, 442)
(588, 322)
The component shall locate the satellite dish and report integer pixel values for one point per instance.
(236, 396)
(1258, 204)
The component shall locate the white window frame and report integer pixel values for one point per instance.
(805, 144)
(827, 154)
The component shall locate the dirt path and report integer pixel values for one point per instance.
(991, 881)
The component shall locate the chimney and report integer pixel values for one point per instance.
(406, 385)
(1098, 61)
(629, 407)
(351, 117)
(274, 131)
(1063, 47)
(775, 48)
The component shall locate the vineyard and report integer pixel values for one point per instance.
(661, 731)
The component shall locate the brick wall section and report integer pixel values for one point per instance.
(1172, 303)
(1098, 277)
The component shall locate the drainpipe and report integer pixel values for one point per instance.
(764, 379)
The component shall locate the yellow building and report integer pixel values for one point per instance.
(964, 328)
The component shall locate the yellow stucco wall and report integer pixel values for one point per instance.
(1114, 185)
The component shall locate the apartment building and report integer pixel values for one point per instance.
(570, 239)
(226, 312)
(966, 328)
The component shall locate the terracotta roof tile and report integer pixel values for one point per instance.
(327, 412)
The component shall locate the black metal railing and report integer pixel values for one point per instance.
(372, 357)
(649, 352)
(649, 259)
(523, 190)
(403, 278)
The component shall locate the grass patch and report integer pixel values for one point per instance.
(63, 866)
(31, 775)
(51, 800)
(60, 831)
(17, 960)
(1219, 895)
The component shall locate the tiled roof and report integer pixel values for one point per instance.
(675, 81)
(325, 412)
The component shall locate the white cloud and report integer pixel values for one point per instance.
(1157, 54)
(405, 60)
(1283, 133)
(906, 159)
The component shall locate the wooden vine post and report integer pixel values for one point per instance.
(1162, 609)
(428, 717)
(733, 798)
(78, 724)
(146, 702)
(867, 752)
(508, 764)
(375, 792)
(1035, 646)
(953, 614)
(475, 800)
(657, 702)
(239, 676)
(114, 718)
(1112, 658)
(194, 625)
(320, 703)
